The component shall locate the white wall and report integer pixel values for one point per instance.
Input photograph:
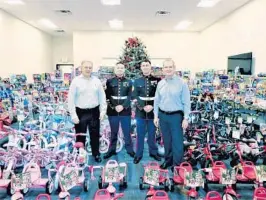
(62, 50)
(104, 47)
(23, 48)
(241, 32)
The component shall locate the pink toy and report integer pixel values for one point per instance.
(104, 194)
(213, 195)
(214, 174)
(36, 180)
(7, 174)
(249, 172)
(259, 193)
(229, 191)
(179, 174)
(160, 177)
(19, 183)
(157, 195)
(43, 197)
(69, 177)
(111, 173)
(246, 170)
(5, 183)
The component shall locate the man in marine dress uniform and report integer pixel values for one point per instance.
(118, 95)
(144, 92)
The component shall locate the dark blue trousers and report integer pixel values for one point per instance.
(172, 131)
(125, 122)
(143, 126)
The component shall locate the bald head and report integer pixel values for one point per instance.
(86, 68)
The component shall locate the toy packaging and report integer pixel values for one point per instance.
(112, 174)
(21, 181)
(69, 180)
(67, 79)
(152, 176)
(194, 179)
(228, 177)
(261, 173)
(58, 74)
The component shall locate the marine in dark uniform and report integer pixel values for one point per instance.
(118, 95)
(144, 92)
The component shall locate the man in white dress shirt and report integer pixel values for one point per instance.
(87, 106)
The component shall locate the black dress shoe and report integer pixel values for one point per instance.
(98, 158)
(156, 157)
(165, 165)
(132, 154)
(109, 154)
(137, 159)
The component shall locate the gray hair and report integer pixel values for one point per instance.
(86, 61)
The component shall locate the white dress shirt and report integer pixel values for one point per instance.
(86, 93)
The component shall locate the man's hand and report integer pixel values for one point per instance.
(184, 123)
(148, 108)
(75, 120)
(119, 108)
(156, 121)
(102, 115)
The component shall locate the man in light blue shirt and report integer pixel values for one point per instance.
(171, 111)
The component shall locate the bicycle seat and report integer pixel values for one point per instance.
(260, 193)
(78, 145)
(213, 195)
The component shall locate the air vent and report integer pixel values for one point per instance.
(60, 31)
(64, 12)
(162, 13)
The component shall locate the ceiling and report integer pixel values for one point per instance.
(137, 15)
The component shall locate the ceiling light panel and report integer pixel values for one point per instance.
(183, 25)
(116, 24)
(111, 2)
(47, 23)
(208, 3)
(14, 2)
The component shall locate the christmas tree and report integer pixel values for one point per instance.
(134, 53)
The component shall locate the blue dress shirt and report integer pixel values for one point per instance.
(172, 94)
